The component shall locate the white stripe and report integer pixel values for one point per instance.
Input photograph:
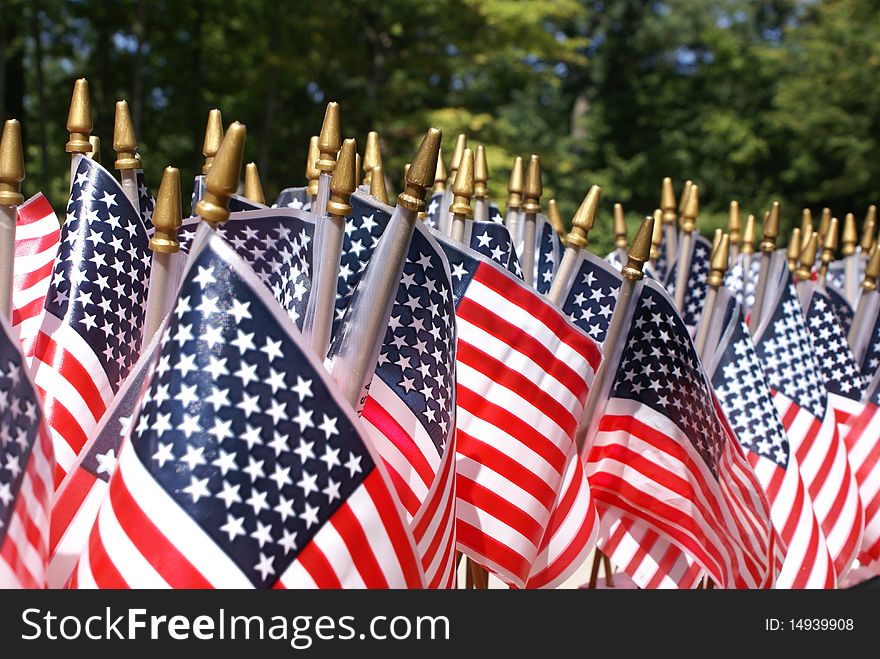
(398, 463)
(45, 226)
(37, 291)
(297, 577)
(380, 544)
(34, 510)
(498, 483)
(331, 544)
(8, 578)
(28, 555)
(84, 577)
(444, 552)
(25, 264)
(76, 536)
(494, 528)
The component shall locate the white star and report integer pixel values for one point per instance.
(225, 462)
(234, 526)
(189, 425)
(332, 490)
(197, 488)
(213, 336)
(272, 349)
(264, 565)
(305, 451)
(239, 310)
(106, 462)
(309, 515)
(307, 483)
(249, 404)
(353, 464)
(109, 199)
(288, 541)
(329, 426)
(205, 276)
(330, 457)
(262, 534)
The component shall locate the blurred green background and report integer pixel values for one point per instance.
(752, 100)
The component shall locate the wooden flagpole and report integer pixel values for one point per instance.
(686, 242)
(531, 207)
(79, 124)
(462, 191)
(125, 145)
(769, 232)
(253, 187)
(11, 176)
(514, 199)
(581, 224)
(481, 189)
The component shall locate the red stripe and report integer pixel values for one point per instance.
(35, 209)
(794, 515)
(482, 544)
(29, 527)
(31, 247)
(565, 558)
(645, 545)
(9, 553)
(856, 436)
(670, 557)
(563, 508)
(73, 581)
(29, 310)
(27, 279)
(408, 498)
(432, 504)
(55, 356)
(394, 432)
(809, 561)
(352, 533)
(316, 564)
(499, 507)
(103, 571)
(444, 577)
(65, 424)
(67, 504)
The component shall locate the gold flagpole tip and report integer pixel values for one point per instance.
(124, 142)
(872, 271)
(95, 154)
(620, 241)
(639, 251)
(720, 258)
(657, 234)
(464, 185)
(213, 138)
(330, 138)
(222, 180)
(808, 257)
(584, 218)
(515, 184)
(806, 220)
(691, 209)
(253, 189)
(167, 216)
(667, 196)
(793, 253)
(869, 228)
(481, 172)
(532, 186)
(824, 221)
(770, 229)
(460, 144)
(377, 184)
(440, 173)
(749, 236)
(344, 180)
(716, 238)
(357, 169)
(733, 223)
(420, 174)
(555, 217)
(685, 192)
(829, 245)
(312, 172)
(79, 119)
(372, 155)
(850, 236)
(11, 164)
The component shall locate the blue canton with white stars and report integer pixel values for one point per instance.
(145, 200)
(463, 266)
(296, 198)
(549, 252)
(19, 426)
(745, 397)
(841, 308)
(492, 240)
(659, 368)
(240, 428)
(592, 295)
(871, 361)
(696, 281)
(432, 212)
(842, 376)
(495, 213)
(836, 275)
(743, 286)
(99, 282)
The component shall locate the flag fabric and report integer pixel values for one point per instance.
(790, 359)
(26, 467)
(591, 295)
(410, 410)
(745, 397)
(244, 468)
(146, 203)
(492, 240)
(91, 331)
(524, 508)
(37, 238)
(742, 277)
(843, 311)
(871, 360)
(613, 259)
(432, 212)
(836, 275)
(495, 213)
(663, 455)
(698, 272)
(296, 198)
(548, 254)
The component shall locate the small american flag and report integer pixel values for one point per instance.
(843, 311)
(592, 294)
(296, 198)
(91, 331)
(492, 240)
(791, 361)
(37, 237)
(244, 469)
(663, 455)
(146, 203)
(523, 373)
(549, 253)
(742, 283)
(871, 360)
(26, 466)
(696, 280)
(433, 209)
(746, 399)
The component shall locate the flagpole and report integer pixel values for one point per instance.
(439, 181)
(686, 243)
(372, 156)
(807, 259)
(632, 273)
(481, 179)
(125, 145)
(866, 244)
(656, 236)
(253, 187)
(377, 184)
(462, 190)
(365, 327)
(620, 242)
(769, 232)
(581, 224)
(866, 309)
(849, 241)
(793, 253)
(670, 217)
(718, 267)
(11, 176)
(323, 298)
(167, 218)
(79, 124)
(221, 181)
(829, 246)
(531, 207)
(213, 139)
(444, 221)
(734, 229)
(555, 218)
(328, 144)
(95, 153)
(514, 199)
(312, 172)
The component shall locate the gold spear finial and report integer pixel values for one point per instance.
(330, 139)
(312, 172)
(823, 224)
(584, 219)
(850, 236)
(555, 217)
(440, 173)
(167, 216)
(685, 192)
(344, 180)
(657, 234)
(872, 271)
(868, 229)
(691, 209)
(749, 236)
(716, 239)
(464, 185)
(253, 188)
(639, 251)
(460, 144)
(420, 175)
(124, 142)
(357, 169)
(532, 186)
(222, 179)
(11, 164)
(372, 155)
(667, 202)
(213, 139)
(720, 258)
(95, 154)
(793, 253)
(770, 229)
(620, 241)
(515, 184)
(733, 223)
(808, 257)
(377, 184)
(829, 245)
(481, 172)
(79, 119)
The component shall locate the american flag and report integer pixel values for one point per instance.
(660, 267)
(26, 466)
(836, 275)
(433, 209)
(236, 202)
(592, 294)
(244, 469)
(871, 360)
(791, 361)
(549, 252)
(745, 397)
(698, 272)
(410, 411)
(91, 331)
(843, 311)
(663, 455)
(146, 203)
(742, 283)
(37, 236)
(523, 373)
(495, 213)
(296, 198)
(492, 240)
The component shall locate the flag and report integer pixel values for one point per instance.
(492, 240)
(742, 277)
(410, 410)
(432, 212)
(244, 468)
(663, 455)
(591, 295)
(548, 252)
(236, 202)
(26, 466)
(37, 236)
(745, 397)
(523, 373)
(296, 198)
(495, 213)
(871, 360)
(843, 311)
(698, 272)
(146, 203)
(790, 359)
(91, 331)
